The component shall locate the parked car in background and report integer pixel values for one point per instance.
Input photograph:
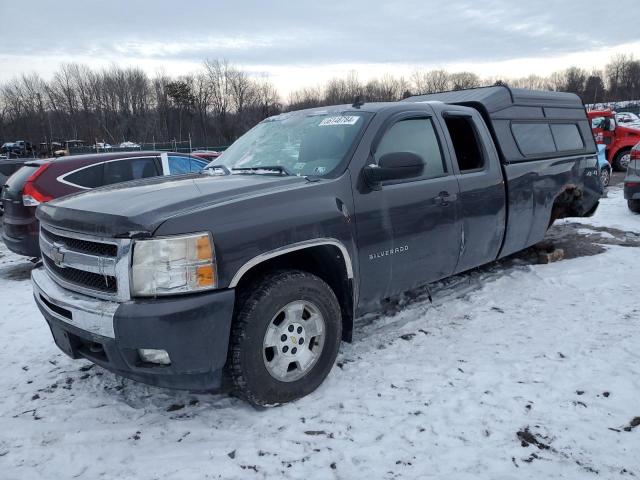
(129, 145)
(619, 140)
(68, 145)
(19, 148)
(25, 148)
(632, 181)
(10, 150)
(8, 166)
(101, 146)
(40, 181)
(628, 119)
(47, 149)
(604, 166)
(207, 154)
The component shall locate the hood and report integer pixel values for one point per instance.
(628, 130)
(138, 208)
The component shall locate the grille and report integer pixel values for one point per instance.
(95, 281)
(84, 246)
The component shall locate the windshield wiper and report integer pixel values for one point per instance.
(278, 168)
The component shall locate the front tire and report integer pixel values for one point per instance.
(634, 205)
(285, 338)
(622, 160)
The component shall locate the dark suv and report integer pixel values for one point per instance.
(39, 181)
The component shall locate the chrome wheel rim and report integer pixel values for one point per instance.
(293, 341)
(625, 160)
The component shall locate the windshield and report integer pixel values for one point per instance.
(296, 143)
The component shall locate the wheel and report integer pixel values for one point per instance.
(285, 338)
(605, 176)
(634, 205)
(621, 160)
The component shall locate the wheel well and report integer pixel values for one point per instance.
(567, 204)
(324, 261)
(622, 150)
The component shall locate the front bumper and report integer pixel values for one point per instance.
(193, 329)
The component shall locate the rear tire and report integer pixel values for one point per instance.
(285, 338)
(634, 205)
(621, 160)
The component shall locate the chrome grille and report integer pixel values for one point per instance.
(81, 278)
(84, 246)
(90, 265)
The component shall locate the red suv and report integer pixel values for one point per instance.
(42, 180)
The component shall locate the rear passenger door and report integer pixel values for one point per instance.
(408, 228)
(482, 200)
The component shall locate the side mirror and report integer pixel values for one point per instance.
(394, 166)
(609, 124)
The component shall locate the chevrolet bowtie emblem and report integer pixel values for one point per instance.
(57, 254)
(293, 339)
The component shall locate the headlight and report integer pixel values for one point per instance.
(166, 266)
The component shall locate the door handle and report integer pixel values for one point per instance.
(444, 198)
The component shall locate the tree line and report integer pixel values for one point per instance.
(222, 101)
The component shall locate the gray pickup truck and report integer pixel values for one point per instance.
(254, 270)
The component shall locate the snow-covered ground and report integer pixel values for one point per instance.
(515, 371)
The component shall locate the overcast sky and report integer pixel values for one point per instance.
(303, 43)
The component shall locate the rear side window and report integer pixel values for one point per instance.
(88, 177)
(567, 137)
(129, 169)
(465, 143)
(181, 165)
(545, 138)
(533, 138)
(415, 135)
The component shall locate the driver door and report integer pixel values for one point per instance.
(409, 228)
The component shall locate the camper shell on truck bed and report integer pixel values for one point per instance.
(526, 124)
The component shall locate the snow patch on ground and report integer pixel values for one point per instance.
(515, 371)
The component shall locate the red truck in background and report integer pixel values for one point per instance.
(618, 139)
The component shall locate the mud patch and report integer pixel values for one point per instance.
(581, 240)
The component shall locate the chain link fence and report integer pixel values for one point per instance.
(173, 146)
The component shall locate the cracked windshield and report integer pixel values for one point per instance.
(300, 143)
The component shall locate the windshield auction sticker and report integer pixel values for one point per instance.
(341, 120)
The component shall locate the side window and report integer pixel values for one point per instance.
(567, 137)
(465, 143)
(197, 165)
(533, 138)
(179, 165)
(88, 177)
(415, 135)
(129, 169)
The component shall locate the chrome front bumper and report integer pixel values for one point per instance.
(89, 314)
